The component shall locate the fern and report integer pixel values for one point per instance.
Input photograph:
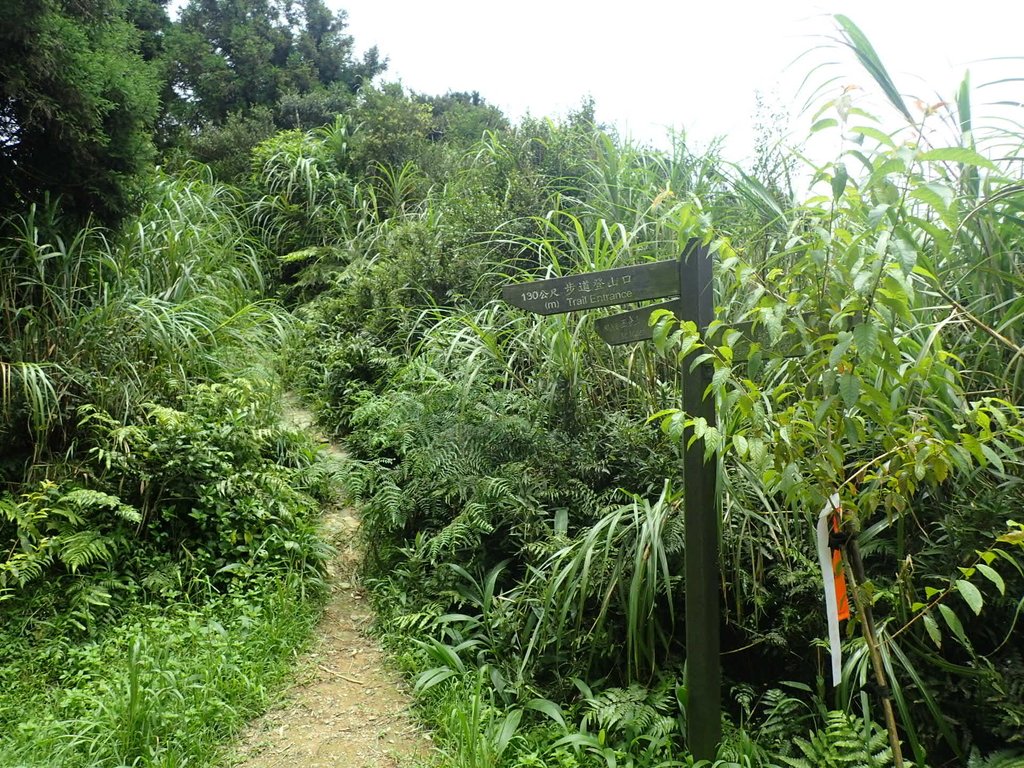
(68, 527)
(846, 740)
(1002, 759)
(84, 499)
(82, 548)
(20, 568)
(388, 506)
(777, 719)
(462, 532)
(631, 713)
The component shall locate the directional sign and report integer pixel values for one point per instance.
(622, 285)
(634, 325)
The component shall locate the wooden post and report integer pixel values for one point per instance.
(867, 619)
(703, 671)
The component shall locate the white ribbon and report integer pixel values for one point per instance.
(828, 576)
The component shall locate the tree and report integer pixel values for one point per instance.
(233, 55)
(463, 118)
(77, 105)
(235, 63)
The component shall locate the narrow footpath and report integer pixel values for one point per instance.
(346, 707)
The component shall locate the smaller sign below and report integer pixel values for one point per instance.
(622, 285)
(635, 325)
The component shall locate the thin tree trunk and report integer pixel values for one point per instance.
(867, 620)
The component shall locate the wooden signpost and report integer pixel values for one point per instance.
(595, 289)
(689, 278)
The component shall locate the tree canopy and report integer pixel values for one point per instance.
(229, 56)
(77, 105)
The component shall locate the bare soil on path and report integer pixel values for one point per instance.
(346, 707)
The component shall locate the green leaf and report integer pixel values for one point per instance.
(758, 450)
(431, 677)
(839, 181)
(508, 729)
(547, 707)
(849, 388)
(938, 196)
(954, 624)
(663, 323)
(932, 628)
(873, 133)
(843, 341)
(866, 337)
(1013, 537)
(992, 456)
(963, 105)
(957, 155)
(700, 426)
(989, 573)
(971, 595)
(663, 414)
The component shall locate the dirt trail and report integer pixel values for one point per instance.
(346, 708)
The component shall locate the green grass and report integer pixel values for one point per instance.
(168, 685)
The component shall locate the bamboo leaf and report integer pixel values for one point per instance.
(865, 52)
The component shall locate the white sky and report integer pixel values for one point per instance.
(690, 65)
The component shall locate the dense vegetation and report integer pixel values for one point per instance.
(520, 481)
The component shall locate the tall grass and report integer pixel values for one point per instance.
(113, 320)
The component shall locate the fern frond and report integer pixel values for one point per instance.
(1002, 759)
(464, 531)
(82, 548)
(84, 499)
(841, 743)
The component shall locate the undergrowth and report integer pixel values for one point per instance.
(168, 684)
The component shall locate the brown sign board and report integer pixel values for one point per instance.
(635, 325)
(622, 285)
(631, 326)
